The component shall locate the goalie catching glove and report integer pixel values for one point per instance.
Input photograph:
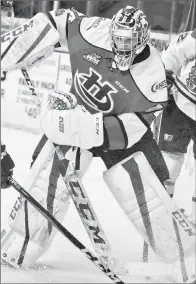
(66, 123)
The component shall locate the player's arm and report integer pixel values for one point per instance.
(179, 51)
(7, 166)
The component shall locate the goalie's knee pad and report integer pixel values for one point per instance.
(148, 206)
(174, 163)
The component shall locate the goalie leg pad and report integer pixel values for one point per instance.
(148, 206)
(29, 234)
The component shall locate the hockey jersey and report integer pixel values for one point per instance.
(100, 86)
(180, 57)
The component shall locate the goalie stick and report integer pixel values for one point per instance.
(65, 232)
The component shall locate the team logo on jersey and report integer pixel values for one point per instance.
(93, 58)
(94, 91)
(159, 86)
(191, 81)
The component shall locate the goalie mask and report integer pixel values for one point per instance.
(129, 34)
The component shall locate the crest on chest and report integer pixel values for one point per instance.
(94, 90)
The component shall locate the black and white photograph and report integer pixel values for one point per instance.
(98, 141)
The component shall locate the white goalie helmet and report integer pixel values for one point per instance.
(129, 34)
